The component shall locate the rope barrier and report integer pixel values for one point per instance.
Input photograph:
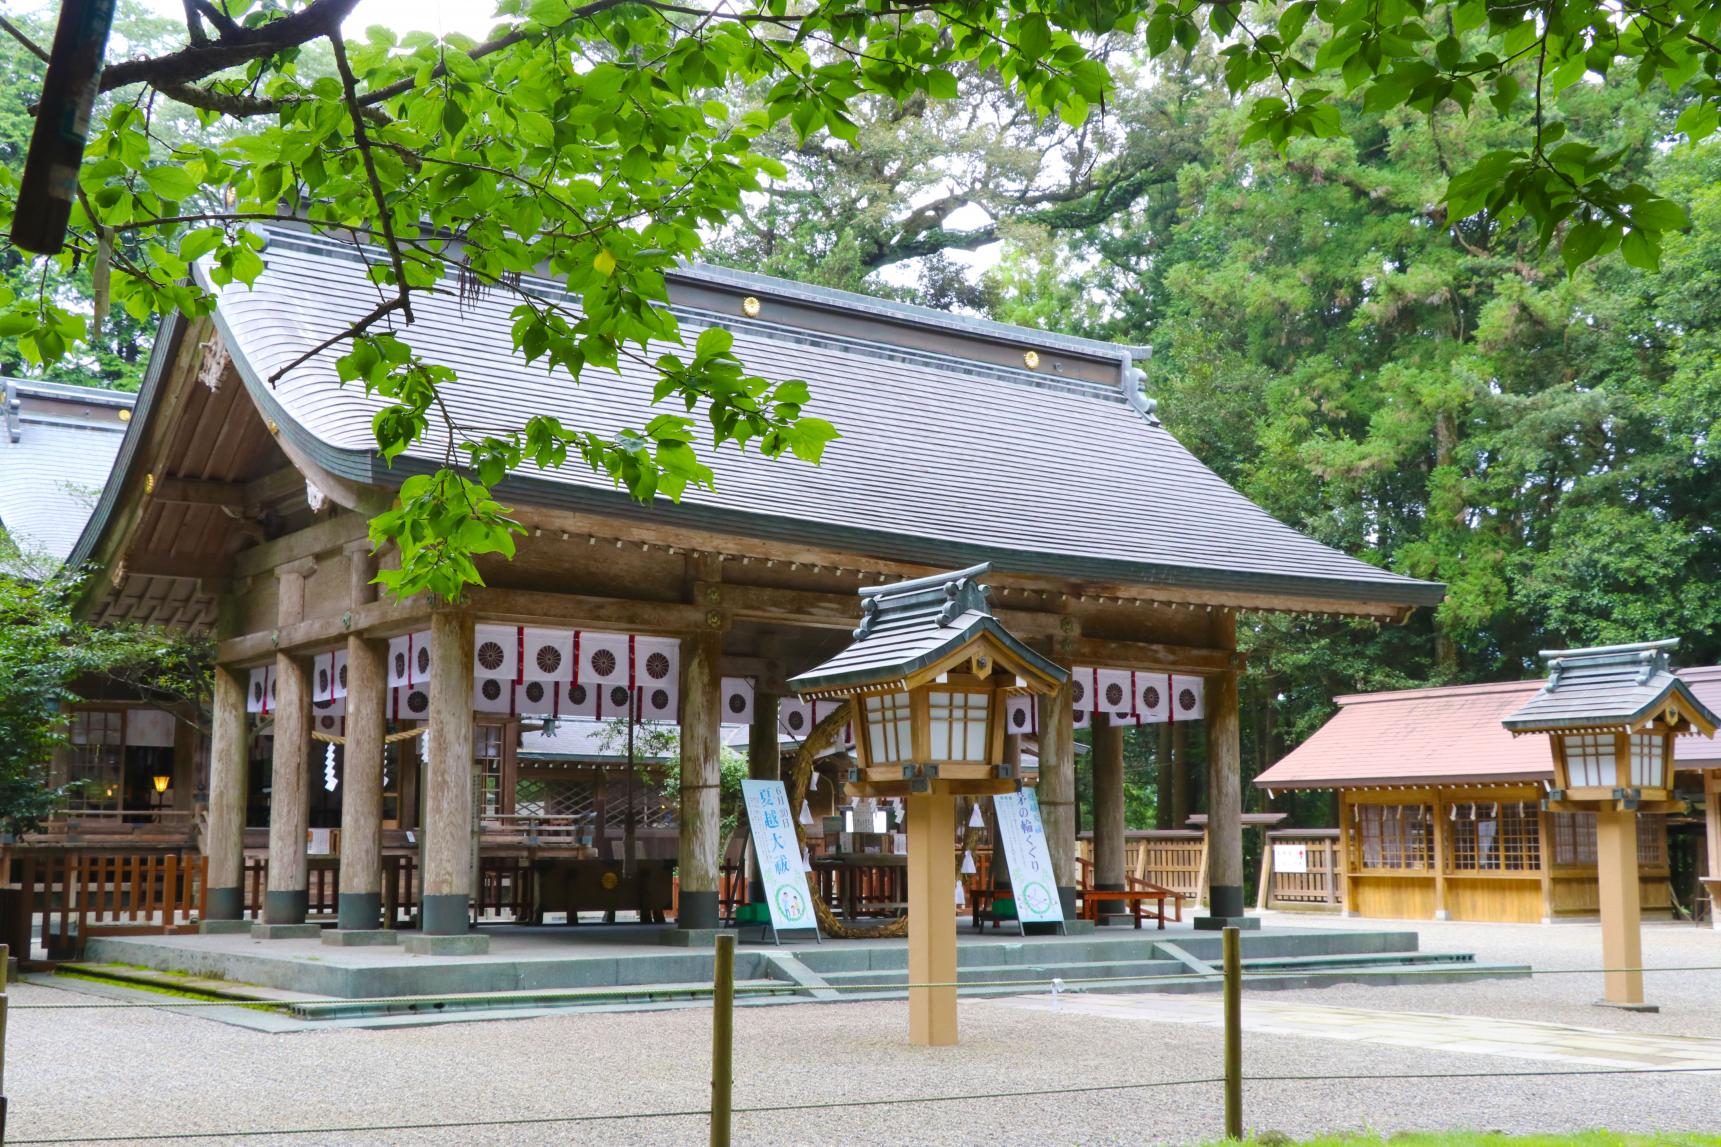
(890, 1101)
(700, 991)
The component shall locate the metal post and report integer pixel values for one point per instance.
(1233, 1033)
(5, 974)
(722, 1038)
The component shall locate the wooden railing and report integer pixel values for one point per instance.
(547, 831)
(73, 895)
(1170, 858)
(119, 829)
(1319, 886)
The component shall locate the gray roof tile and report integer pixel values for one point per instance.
(943, 460)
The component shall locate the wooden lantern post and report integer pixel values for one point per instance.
(928, 675)
(1611, 714)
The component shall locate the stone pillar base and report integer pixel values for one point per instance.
(1628, 1007)
(360, 937)
(679, 937)
(469, 944)
(288, 907)
(223, 927)
(286, 931)
(1216, 923)
(1066, 898)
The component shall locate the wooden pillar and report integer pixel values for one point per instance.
(1545, 827)
(1224, 804)
(1109, 819)
(360, 901)
(1712, 830)
(764, 763)
(1621, 932)
(1164, 806)
(932, 931)
(1342, 858)
(286, 899)
(701, 814)
(1179, 738)
(224, 840)
(447, 777)
(1058, 789)
(1438, 829)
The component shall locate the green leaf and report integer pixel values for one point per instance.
(1641, 250)
(171, 183)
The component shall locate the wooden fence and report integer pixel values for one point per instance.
(73, 895)
(1317, 886)
(1170, 858)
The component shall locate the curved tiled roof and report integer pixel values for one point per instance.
(944, 459)
(56, 451)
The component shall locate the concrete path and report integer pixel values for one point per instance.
(1520, 1039)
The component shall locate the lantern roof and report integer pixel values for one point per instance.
(912, 627)
(1609, 688)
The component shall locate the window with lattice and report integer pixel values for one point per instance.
(1591, 760)
(1574, 837)
(651, 808)
(487, 752)
(1394, 836)
(1652, 839)
(1489, 836)
(97, 746)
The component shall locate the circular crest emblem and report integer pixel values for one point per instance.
(490, 655)
(657, 667)
(1186, 700)
(549, 658)
(603, 662)
(492, 689)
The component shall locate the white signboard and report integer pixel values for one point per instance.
(1031, 880)
(773, 825)
(1290, 858)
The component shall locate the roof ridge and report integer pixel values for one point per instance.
(1475, 689)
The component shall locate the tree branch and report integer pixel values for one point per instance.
(361, 137)
(17, 34)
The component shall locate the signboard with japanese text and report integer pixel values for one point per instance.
(1030, 862)
(780, 864)
(1290, 858)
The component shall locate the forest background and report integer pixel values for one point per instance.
(1437, 396)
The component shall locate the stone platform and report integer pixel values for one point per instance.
(531, 964)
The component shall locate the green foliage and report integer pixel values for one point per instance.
(594, 144)
(601, 143)
(46, 655)
(657, 749)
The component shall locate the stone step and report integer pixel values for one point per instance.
(1354, 960)
(1076, 972)
(630, 997)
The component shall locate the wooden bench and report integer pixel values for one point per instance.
(1135, 899)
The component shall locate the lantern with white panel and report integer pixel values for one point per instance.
(928, 674)
(1610, 714)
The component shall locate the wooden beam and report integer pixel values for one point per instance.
(1142, 656)
(377, 619)
(329, 534)
(274, 486)
(839, 610)
(190, 567)
(198, 492)
(533, 607)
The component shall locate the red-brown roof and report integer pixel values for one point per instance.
(1446, 735)
(1701, 752)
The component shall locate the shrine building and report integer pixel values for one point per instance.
(352, 733)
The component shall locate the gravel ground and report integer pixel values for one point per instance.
(114, 1072)
(1690, 1001)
